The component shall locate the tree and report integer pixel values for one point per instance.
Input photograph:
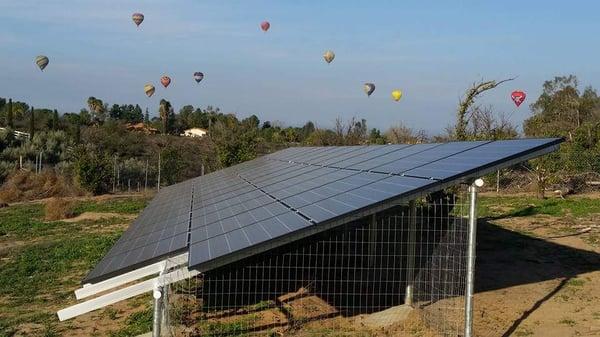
(166, 111)
(147, 117)
(375, 137)
(115, 112)
(9, 115)
(560, 109)
(92, 169)
(464, 106)
(401, 134)
(487, 125)
(55, 120)
(85, 118)
(32, 124)
(97, 108)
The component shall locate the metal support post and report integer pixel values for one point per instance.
(157, 317)
(372, 240)
(471, 244)
(158, 179)
(412, 238)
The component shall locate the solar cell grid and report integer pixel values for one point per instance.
(270, 197)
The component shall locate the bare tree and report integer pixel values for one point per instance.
(464, 106)
(486, 124)
(401, 134)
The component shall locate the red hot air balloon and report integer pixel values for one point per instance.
(165, 81)
(518, 97)
(265, 25)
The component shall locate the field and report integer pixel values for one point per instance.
(538, 270)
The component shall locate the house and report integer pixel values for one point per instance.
(195, 132)
(18, 134)
(141, 127)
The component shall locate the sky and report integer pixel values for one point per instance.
(431, 50)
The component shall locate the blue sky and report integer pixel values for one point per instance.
(431, 50)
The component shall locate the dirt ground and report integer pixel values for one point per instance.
(537, 275)
(544, 283)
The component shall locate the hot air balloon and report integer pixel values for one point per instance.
(42, 61)
(518, 97)
(165, 81)
(396, 95)
(149, 90)
(369, 88)
(328, 56)
(198, 76)
(265, 25)
(137, 18)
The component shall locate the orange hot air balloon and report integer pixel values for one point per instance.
(165, 81)
(265, 25)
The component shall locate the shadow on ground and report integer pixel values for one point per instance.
(506, 258)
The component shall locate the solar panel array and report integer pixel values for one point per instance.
(263, 200)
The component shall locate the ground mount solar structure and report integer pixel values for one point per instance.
(251, 208)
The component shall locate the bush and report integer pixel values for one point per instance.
(92, 169)
(26, 185)
(59, 208)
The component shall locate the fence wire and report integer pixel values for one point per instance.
(402, 270)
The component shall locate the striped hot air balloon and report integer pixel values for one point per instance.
(165, 81)
(137, 18)
(328, 56)
(198, 76)
(149, 90)
(42, 61)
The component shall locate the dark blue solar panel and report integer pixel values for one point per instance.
(292, 190)
(474, 158)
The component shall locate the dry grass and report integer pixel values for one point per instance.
(25, 185)
(59, 208)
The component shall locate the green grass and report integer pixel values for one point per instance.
(24, 220)
(506, 207)
(567, 321)
(49, 260)
(233, 328)
(44, 266)
(136, 324)
(121, 205)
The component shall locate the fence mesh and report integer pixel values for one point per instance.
(401, 271)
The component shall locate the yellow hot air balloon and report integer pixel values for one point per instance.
(328, 56)
(149, 90)
(396, 95)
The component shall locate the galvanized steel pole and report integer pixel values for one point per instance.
(157, 317)
(471, 244)
(412, 241)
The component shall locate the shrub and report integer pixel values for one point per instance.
(92, 169)
(26, 185)
(59, 208)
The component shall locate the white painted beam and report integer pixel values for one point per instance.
(125, 293)
(95, 288)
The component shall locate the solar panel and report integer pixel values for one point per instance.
(255, 205)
